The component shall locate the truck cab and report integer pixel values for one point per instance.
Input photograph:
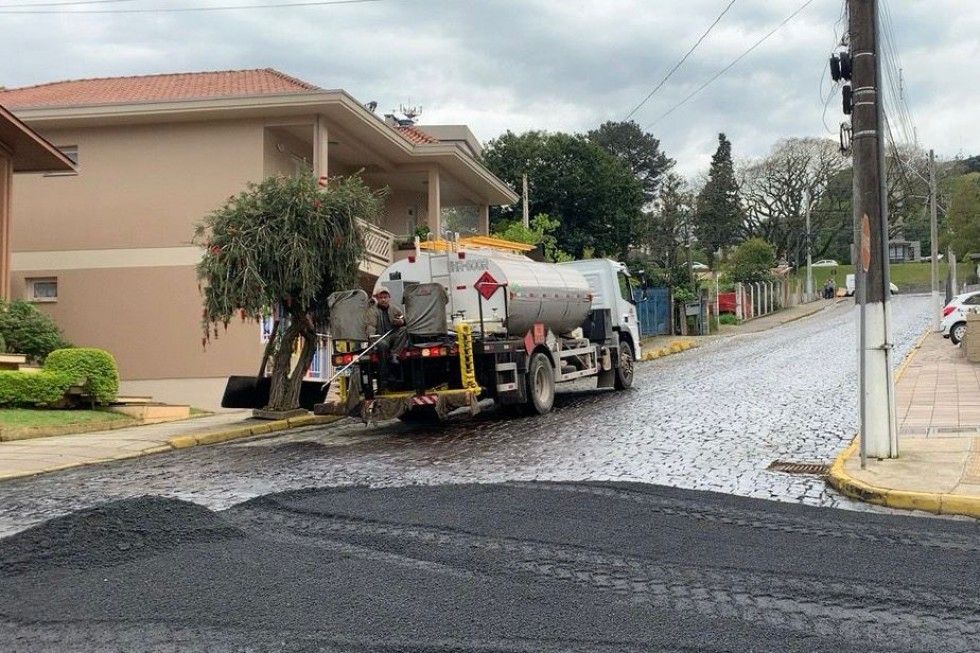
(612, 289)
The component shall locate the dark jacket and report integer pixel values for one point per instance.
(373, 319)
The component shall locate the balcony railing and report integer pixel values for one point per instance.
(379, 244)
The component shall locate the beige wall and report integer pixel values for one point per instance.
(396, 217)
(6, 182)
(137, 185)
(149, 318)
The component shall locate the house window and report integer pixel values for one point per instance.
(320, 365)
(42, 290)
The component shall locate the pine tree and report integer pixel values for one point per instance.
(719, 211)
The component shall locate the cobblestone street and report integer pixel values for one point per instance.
(710, 419)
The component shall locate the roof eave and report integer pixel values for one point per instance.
(29, 151)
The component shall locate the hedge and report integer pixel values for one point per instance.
(42, 388)
(94, 369)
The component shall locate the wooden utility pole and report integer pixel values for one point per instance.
(934, 240)
(877, 392)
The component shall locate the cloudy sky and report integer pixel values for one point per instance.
(532, 64)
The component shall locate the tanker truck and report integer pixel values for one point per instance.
(483, 323)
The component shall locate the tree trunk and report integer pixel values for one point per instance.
(287, 380)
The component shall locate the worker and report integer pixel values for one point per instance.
(383, 316)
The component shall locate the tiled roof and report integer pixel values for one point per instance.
(415, 135)
(149, 88)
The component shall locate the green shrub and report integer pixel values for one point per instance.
(752, 261)
(94, 369)
(44, 388)
(26, 330)
(727, 318)
(3, 345)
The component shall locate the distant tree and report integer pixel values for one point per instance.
(718, 218)
(592, 194)
(283, 246)
(540, 233)
(751, 261)
(639, 150)
(963, 223)
(789, 185)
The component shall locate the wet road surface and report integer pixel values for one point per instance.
(712, 419)
(535, 567)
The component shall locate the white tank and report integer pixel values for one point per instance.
(504, 285)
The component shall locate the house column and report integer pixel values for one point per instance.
(321, 147)
(6, 186)
(483, 226)
(434, 212)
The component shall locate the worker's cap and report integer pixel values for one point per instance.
(383, 291)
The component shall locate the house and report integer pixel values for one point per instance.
(21, 151)
(107, 252)
(904, 251)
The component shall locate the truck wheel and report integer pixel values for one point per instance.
(957, 333)
(624, 371)
(540, 386)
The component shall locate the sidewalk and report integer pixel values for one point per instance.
(39, 455)
(938, 469)
(780, 317)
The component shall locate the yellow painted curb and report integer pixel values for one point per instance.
(675, 347)
(935, 502)
(217, 437)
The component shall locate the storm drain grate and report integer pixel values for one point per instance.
(818, 469)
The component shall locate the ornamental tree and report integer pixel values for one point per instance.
(281, 247)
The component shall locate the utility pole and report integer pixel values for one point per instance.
(877, 391)
(524, 212)
(809, 260)
(937, 306)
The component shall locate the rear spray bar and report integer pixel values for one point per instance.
(355, 361)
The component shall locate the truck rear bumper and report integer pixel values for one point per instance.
(394, 404)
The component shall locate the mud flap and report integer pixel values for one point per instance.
(606, 379)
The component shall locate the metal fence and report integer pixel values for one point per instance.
(653, 310)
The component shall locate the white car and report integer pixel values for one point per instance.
(825, 263)
(849, 285)
(700, 267)
(954, 315)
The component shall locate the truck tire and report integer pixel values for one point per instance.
(624, 370)
(540, 385)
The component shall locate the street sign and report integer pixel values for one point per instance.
(486, 285)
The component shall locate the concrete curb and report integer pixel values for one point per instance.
(675, 347)
(269, 428)
(936, 502)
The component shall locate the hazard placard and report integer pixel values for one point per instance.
(486, 285)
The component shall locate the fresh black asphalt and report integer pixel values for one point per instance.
(494, 567)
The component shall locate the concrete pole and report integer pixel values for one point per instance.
(525, 215)
(809, 261)
(739, 303)
(876, 394)
(937, 306)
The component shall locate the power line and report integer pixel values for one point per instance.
(731, 65)
(168, 10)
(679, 63)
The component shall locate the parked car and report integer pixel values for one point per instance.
(849, 285)
(825, 263)
(954, 315)
(700, 267)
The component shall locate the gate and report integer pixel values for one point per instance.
(653, 310)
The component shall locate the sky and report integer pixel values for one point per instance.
(557, 65)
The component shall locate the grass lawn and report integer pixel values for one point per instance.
(909, 277)
(20, 418)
